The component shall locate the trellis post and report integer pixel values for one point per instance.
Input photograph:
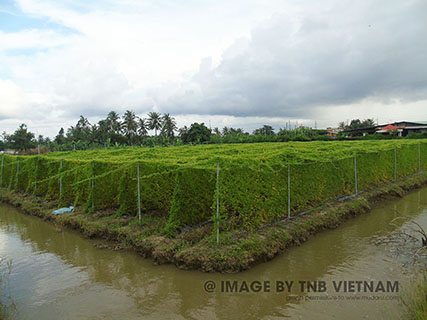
(37, 168)
(1, 176)
(60, 179)
(395, 164)
(217, 202)
(419, 156)
(17, 174)
(139, 192)
(289, 191)
(355, 174)
(93, 186)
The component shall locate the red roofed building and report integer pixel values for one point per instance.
(387, 129)
(403, 128)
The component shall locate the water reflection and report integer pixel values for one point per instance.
(58, 273)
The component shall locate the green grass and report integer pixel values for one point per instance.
(415, 301)
(7, 306)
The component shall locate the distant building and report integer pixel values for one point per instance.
(403, 128)
(8, 152)
(333, 132)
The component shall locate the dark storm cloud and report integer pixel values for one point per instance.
(292, 63)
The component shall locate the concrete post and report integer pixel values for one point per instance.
(37, 168)
(139, 192)
(289, 191)
(1, 173)
(17, 174)
(93, 187)
(217, 202)
(60, 179)
(355, 174)
(395, 164)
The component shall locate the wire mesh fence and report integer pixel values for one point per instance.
(231, 194)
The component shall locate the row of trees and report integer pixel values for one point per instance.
(130, 130)
(21, 139)
(357, 124)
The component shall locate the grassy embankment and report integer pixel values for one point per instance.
(415, 300)
(8, 309)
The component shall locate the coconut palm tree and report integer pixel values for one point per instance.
(217, 132)
(130, 125)
(81, 131)
(168, 125)
(83, 123)
(154, 121)
(143, 127)
(113, 119)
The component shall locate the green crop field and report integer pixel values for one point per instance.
(285, 153)
(181, 182)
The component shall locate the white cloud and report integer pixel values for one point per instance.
(295, 62)
(31, 39)
(250, 61)
(16, 102)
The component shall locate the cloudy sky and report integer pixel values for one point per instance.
(235, 63)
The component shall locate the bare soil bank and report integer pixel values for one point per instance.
(196, 249)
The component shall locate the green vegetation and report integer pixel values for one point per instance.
(7, 306)
(130, 130)
(21, 139)
(179, 183)
(415, 302)
(357, 124)
(196, 248)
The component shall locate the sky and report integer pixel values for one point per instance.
(225, 63)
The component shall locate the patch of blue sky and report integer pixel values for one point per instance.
(24, 51)
(13, 19)
(5, 73)
(15, 22)
(80, 6)
(7, 5)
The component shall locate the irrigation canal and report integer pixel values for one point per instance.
(58, 274)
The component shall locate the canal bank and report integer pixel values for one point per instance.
(58, 274)
(196, 249)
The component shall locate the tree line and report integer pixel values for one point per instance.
(131, 130)
(357, 124)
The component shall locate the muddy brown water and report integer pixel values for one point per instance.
(58, 274)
